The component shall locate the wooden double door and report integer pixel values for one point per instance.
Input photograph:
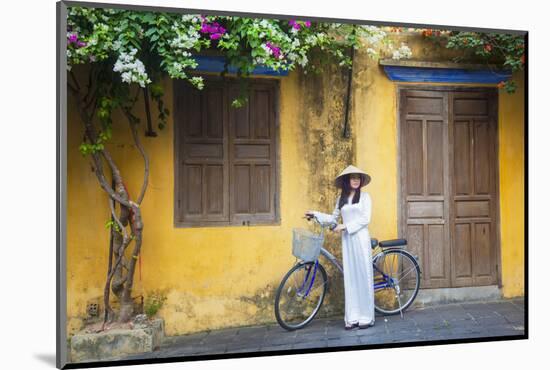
(448, 180)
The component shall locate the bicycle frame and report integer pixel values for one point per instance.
(334, 261)
(386, 283)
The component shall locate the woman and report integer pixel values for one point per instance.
(355, 208)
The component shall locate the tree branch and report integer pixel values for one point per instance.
(72, 88)
(143, 154)
(103, 182)
(117, 220)
(90, 82)
(123, 246)
(75, 80)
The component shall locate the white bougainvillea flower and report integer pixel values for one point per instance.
(131, 68)
(404, 52)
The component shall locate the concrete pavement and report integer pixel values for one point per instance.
(444, 322)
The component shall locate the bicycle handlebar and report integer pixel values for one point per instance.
(330, 226)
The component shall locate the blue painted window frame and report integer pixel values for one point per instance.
(451, 75)
(217, 64)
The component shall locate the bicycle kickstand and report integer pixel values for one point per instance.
(400, 310)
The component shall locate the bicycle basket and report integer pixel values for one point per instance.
(306, 245)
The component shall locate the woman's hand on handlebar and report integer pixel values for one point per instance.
(339, 227)
(309, 215)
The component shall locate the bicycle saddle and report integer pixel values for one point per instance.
(393, 243)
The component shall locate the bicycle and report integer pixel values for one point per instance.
(396, 278)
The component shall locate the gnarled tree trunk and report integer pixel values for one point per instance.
(127, 224)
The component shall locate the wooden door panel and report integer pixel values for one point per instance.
(214, 113)
(413, 152)
(482, 250)
(240, 118)
(462, 157)
(194, 117)
(473, 192)
(463, 252)
(448, 184)
(471, 104)
(425, 210)
(471, 208)
(424, 182)
(434, 159)
(415, 241)
(436, 254)
(425, 103)
(249, 152)
(482, 147)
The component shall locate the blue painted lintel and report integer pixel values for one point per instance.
(217, 64)
(456, 75)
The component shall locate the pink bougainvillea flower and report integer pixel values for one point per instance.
(73, 38)
(307, 24)
(274, 49)
(214, 29)
(80, 44)
(294, 24)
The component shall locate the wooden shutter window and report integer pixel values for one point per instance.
(203, 183)
(252, 156)
(225, 157)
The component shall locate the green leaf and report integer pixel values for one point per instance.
(136, 44)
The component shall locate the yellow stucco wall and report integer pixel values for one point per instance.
(204, 270)
(213, 276)
(225, 276)
(512, 192)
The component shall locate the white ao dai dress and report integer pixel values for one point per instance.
(357, 256)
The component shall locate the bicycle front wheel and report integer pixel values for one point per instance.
(396, 281)
(300, 295)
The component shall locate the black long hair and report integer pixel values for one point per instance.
(346, 190)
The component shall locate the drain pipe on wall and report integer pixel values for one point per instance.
(346, 132)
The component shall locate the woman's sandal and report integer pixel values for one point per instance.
(350, 326)
(364, 326)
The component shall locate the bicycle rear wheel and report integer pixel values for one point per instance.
(300, 295)
(396, 281)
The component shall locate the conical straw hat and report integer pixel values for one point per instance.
(365, 178)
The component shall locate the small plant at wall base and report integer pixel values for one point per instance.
(507, 51)
(128, 53)
(153, 303)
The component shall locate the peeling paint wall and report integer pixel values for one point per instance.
(227, 276)
(222, 276)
